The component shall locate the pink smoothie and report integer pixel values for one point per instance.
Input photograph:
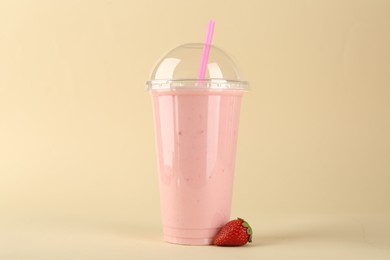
(196, 134)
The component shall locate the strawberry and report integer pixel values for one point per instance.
(234, 233)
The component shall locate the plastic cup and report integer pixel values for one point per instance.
(196, 125)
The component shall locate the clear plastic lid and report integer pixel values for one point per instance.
(179, 69)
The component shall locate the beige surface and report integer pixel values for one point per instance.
(299, 238)
(76, 134)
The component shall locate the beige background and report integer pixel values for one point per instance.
(76, 133)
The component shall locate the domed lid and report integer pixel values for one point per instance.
(179, 69)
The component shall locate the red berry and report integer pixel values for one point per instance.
(234, 233)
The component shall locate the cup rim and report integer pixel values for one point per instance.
(196, 84)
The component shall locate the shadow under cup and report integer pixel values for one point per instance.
(196, 136)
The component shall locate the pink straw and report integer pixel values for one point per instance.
(206, 50)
